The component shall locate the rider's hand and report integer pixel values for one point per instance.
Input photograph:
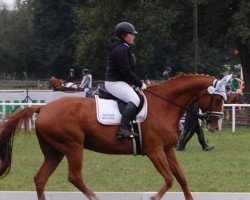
(144, 86)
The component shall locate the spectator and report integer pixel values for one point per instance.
(191, 126)
(234, 84)
(166, 73)
(86, 79)
(242, 86)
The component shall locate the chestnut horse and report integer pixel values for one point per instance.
(235, 97)
(66, 126)
(58, 85)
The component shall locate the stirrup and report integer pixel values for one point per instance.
(122, 134)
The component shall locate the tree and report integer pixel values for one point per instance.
(54, 30)
(100, 18)
(44, 38)
(226, 27)
(94, 30)
(239, 35)
(165, 35)
(17, 41)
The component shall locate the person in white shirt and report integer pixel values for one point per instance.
(86, 79)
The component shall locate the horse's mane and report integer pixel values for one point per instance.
(181, 75)
(184, 75)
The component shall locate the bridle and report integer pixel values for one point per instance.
(206, 117)
(210, 115)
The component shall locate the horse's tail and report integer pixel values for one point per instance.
(7, 131)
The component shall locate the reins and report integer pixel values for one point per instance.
(203, 117)
(167, 100)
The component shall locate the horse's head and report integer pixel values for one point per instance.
(51, 83)
(184, 90)
(211, 103)
(55, 83)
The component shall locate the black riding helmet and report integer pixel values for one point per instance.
(123, 28)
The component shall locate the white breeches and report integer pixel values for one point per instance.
(71, 85)
(122, 91)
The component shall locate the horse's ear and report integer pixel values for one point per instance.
(224, 80)
(229, 77)
(221, 84)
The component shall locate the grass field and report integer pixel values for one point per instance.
(225, 169)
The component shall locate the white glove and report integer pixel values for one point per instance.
(144, 86)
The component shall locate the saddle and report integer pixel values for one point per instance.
(109, 109)
(109, 112)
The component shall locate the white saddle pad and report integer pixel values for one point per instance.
(108, 113)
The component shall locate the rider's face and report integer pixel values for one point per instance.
(129, 38)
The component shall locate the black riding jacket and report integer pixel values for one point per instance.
(121, 64)
(70, 78)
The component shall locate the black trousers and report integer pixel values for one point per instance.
(187, 134)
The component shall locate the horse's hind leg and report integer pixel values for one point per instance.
(161, 164)
(177, 172)
(52, 158)
(75, 159)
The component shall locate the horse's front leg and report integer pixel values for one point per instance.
(161, 164)
(177, 172)
(74, 155)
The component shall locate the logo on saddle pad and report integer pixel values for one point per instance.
(108, 113)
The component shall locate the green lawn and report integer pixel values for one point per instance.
(225, 169)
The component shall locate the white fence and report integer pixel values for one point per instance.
(12, 100)
(234, 106)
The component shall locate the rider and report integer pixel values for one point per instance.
(86, 79)
(70, 81)
(166, 73)
(120, 75)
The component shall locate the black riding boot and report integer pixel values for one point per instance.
(180, 145)
(128, 115)
(202, 140)
(189, 135)
(178, 135)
